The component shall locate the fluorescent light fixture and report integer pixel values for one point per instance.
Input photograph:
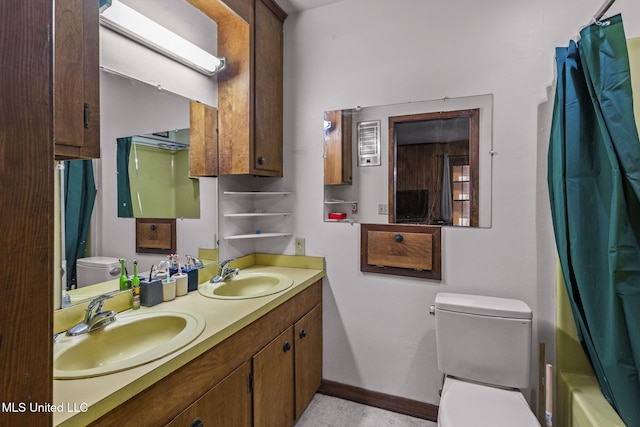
(134, 25)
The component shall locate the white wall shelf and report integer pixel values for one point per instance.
(256, 236)
(256, 214)
(257, 193)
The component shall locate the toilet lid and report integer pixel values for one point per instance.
(470, 404)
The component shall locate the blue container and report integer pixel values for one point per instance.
(192, 278)
(150, 292)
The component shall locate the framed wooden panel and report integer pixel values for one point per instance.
(156, 235)
(403, 250)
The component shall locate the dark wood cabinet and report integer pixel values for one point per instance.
(338, 148)
(250, 88)
(76, 80)
(273, 383)
(268, 101)
(226, 404)
(308, 357)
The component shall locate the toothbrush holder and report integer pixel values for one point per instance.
(169, 290)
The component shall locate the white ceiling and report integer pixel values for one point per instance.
(295, 6)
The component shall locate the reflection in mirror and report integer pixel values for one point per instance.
(426, 141)
(433, 168)
(129, 107)
(142, 92)
(153, 176)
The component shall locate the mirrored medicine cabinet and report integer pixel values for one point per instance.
(427, 162)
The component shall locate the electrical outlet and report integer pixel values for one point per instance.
(300, 246)
(383, 209)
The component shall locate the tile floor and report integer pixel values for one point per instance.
(327, 411)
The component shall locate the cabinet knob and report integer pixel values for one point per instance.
(286, 346)
(197, 423)
(261, 160)
(303, 333)
(398, 238)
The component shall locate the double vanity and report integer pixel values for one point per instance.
(222, 355)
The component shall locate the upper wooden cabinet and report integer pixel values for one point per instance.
(203, 140)
(337, 148)
(76, 86)
(250, 98)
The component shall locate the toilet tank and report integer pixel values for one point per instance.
(484, 339)
(97, 269)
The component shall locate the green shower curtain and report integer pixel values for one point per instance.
(79, 196)
(594, 190)
(123, 149)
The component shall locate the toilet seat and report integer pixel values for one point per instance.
(475, 405)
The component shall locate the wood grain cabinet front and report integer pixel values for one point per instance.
(273, 383)
(403, 250)
(226, 404)
(263, 375)
(76, 80)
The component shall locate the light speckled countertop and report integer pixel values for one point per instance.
(99, 395)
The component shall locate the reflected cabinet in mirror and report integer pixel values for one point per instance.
(425, 162)
(143, 93)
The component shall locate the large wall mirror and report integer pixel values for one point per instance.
(425, 162)
(143, 93)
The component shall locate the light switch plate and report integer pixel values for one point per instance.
(300, 246)
(383, 209)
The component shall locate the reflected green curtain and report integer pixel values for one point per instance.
(79, 197)
(123, 150)
(594, 189)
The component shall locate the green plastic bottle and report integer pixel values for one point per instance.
(135, 286)
(124, 282)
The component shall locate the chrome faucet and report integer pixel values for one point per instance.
(225, 272)
(95, 318)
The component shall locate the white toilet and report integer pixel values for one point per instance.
(484, 349)
(96, 269)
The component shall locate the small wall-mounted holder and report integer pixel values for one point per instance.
(156, 235)
(403, 250)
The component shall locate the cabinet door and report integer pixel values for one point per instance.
(76, 87)
(268, 132)
(308, 357)
(227, 404)
(273, 388)
(337, 147)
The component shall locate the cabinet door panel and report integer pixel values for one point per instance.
(227, 404)
(268, 134)
(308, 357)
(76, 86)
(273, 388)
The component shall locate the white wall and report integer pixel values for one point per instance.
(378, 334)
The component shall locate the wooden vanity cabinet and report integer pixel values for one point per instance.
(226, 404)
(273, 383)
(76, 80)
(308, 357)
(271, 356)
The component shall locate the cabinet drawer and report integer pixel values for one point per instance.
(405, 250)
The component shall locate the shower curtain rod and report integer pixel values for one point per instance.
(603, 9)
